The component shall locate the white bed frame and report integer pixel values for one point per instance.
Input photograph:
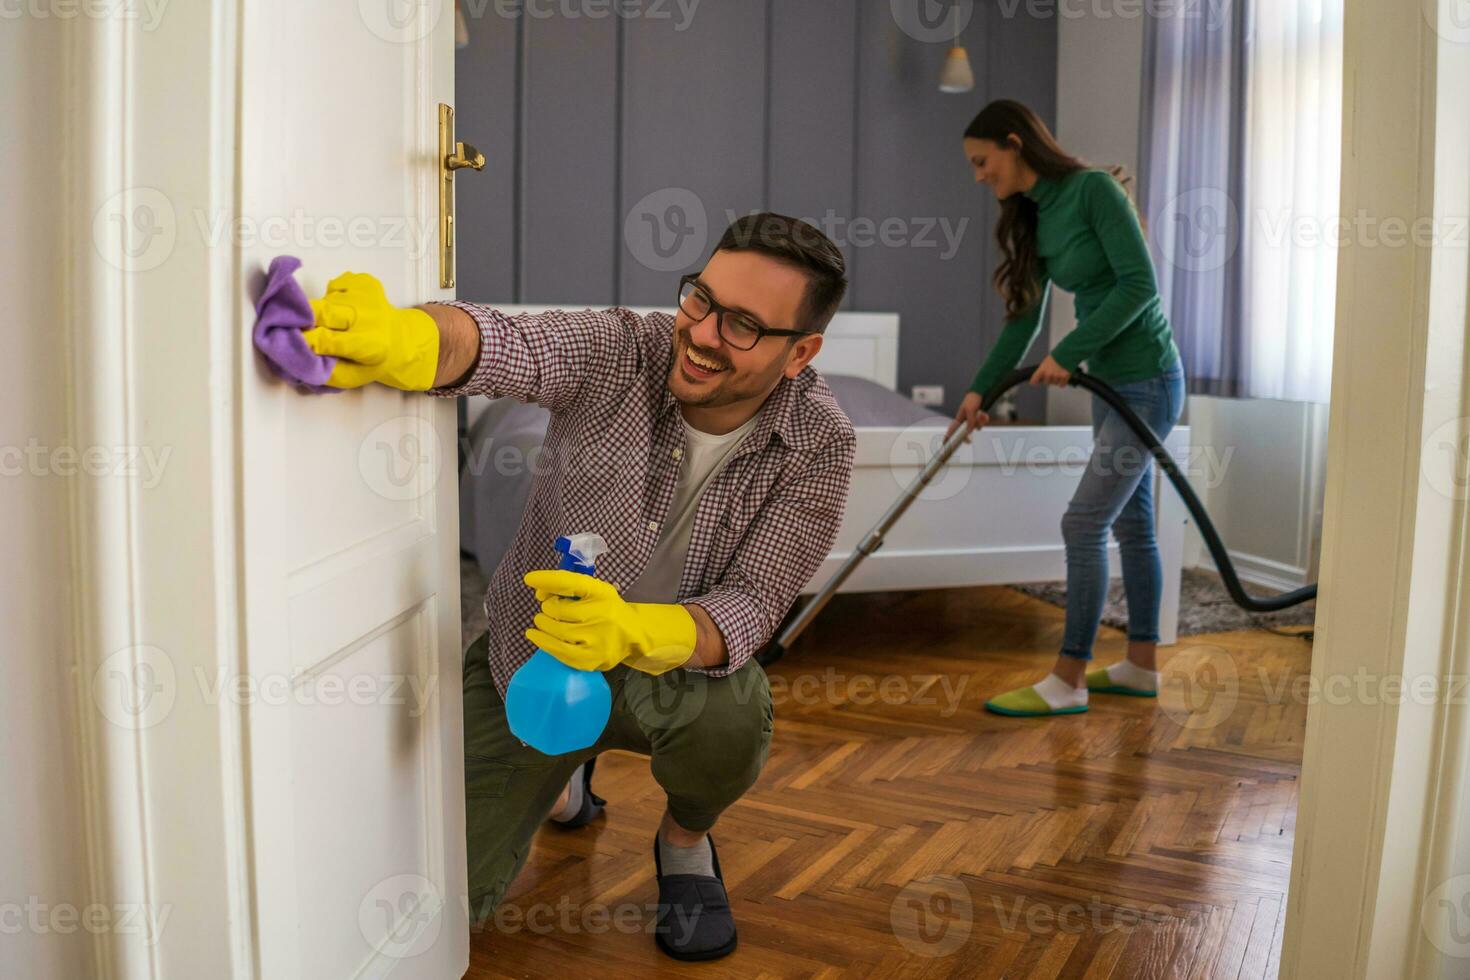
(861, 344)
(993, 516)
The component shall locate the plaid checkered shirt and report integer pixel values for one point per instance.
(610, 463)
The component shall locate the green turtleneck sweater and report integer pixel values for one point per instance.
(1088, 241)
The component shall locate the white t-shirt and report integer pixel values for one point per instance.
(704, 455)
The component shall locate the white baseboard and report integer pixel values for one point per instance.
(1255, 570)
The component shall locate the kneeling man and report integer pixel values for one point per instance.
(713, 461)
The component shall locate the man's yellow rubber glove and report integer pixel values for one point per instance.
(585, 624)
(371, 339)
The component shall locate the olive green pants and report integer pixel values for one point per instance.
(708, 739)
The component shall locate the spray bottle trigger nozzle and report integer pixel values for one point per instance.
(582, 549)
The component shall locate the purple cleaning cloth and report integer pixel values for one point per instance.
(281, 314)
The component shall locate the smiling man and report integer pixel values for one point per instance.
(714, 462)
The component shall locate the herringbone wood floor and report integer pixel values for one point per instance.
(900, 830)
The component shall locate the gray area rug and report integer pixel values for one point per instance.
(1204, 605)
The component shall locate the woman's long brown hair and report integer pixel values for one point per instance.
(1015, 232)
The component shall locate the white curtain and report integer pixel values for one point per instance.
(1290, 221)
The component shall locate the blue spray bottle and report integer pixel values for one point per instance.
(551, 707)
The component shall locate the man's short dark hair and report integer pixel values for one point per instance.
(802, 245)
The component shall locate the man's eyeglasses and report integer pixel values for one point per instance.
(739, 330)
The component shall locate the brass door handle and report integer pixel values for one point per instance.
(453, 155)
(464, 155)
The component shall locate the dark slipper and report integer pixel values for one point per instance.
(694, 917)
(591, 803)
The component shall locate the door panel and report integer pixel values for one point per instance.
(349, 548)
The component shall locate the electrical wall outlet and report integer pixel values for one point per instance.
(929, 394)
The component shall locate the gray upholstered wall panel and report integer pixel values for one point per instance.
(694, 139)
(569, 106)
(486, 93)
(912, 174)
(619, 148)
(812, 156)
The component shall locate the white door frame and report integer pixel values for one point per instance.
(1382, 810)
(156, 362)
(166, 816)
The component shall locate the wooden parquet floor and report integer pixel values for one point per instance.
(899, 830)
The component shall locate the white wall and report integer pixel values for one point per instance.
(1260, 473)
(42, 867)
(1267, 500)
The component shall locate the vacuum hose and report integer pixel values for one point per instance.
(874, 539)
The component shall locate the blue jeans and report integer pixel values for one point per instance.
(1117, 491)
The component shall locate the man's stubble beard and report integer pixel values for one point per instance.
(727, 390)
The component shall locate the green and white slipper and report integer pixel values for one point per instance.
(1101, 682)
(1027, 702)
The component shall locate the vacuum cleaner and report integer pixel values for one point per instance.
(873, 540)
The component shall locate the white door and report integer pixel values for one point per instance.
(349, 527)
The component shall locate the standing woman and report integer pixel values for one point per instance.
(1064, 221)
